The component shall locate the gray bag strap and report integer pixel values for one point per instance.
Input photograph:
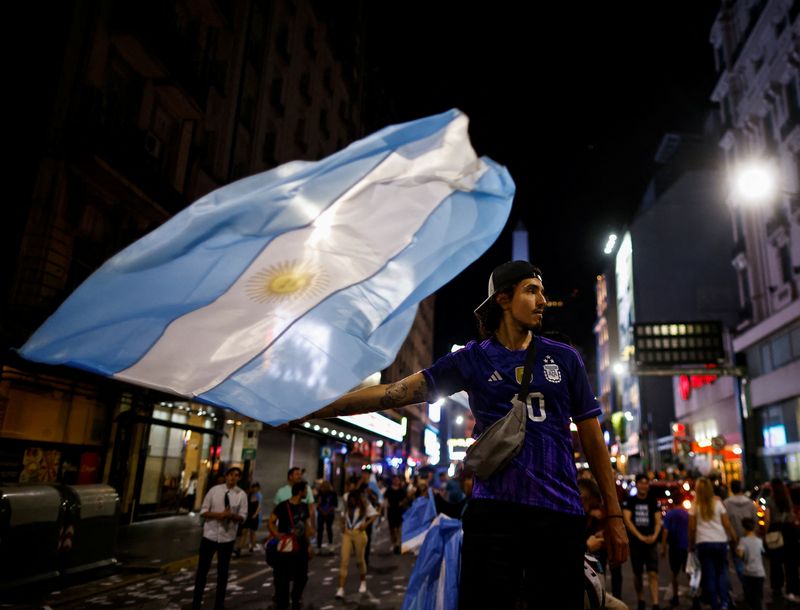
(530, 356)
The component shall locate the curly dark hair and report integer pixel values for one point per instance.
(489, 317)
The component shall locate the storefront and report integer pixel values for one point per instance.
(779, 440)
(170, 452)
(52, 429)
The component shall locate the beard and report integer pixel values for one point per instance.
(534, 328)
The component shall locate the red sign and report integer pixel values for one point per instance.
(692, 382)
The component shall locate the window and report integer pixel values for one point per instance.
(785, 257)
(766, 359)
(781, 350)
(795, 334)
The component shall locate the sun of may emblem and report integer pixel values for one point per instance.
(551, 371)
(284, 281)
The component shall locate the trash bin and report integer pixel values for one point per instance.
(91, 520)
(31, 518)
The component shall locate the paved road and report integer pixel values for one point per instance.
(250, 584)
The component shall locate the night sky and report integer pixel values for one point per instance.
(573, 99)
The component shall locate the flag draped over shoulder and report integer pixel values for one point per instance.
(276, 294)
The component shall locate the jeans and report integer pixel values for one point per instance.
(512, 551)
(753, 592)
(322, 522)
(713, 558)
(783, 562)
(207, 550)
(290, 567)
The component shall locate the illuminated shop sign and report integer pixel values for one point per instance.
(458, 447)
(377, 423)
(432, 446)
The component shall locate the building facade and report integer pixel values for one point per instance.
(141, 110)
(758, 92)
(669, 267)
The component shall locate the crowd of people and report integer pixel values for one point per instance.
(304, 515)
(722, 526)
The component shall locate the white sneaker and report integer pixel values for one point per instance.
(340, 593)
(362, 588)
(792, 597)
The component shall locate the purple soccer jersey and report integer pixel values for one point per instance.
(543, 473)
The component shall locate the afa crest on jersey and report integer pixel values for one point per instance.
(551, 371)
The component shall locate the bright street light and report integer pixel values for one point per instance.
(612, 241)
(618, 368)
(459, 420)
(754, 182)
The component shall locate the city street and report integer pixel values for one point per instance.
(250, 584)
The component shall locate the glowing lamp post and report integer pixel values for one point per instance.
(755, 183)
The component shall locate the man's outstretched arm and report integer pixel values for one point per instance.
(411, 390)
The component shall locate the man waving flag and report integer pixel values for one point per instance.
(276, 294)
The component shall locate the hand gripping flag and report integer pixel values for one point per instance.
(278, 293)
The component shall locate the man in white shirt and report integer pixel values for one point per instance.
(224, 508)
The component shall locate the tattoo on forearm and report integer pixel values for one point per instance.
(421, 393)
(394, 395)
(397, 395)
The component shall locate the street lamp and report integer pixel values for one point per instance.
(755, 182)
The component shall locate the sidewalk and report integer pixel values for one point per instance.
(145, 550)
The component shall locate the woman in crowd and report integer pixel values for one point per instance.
(783, 558)
(709, 531)
(357, 515)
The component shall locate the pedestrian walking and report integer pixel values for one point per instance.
(247, 539)
(396, 503)
(739, 507)
(290, 525)
(675, 534)
(750, 550)
(709, 530)
(295, 475)
(223, 509)
(533, 502)
(643, 520)
(357, 515)
(327, 503)
(782, 545)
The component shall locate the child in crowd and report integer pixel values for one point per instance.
(751, 549)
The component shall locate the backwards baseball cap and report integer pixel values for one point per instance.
(505, 276)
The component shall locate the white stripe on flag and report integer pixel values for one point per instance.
(350, 241)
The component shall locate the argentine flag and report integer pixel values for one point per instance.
(278, 293)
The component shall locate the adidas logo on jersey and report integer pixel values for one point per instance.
(495, 377)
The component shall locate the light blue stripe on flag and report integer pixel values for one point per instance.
(279, 292)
